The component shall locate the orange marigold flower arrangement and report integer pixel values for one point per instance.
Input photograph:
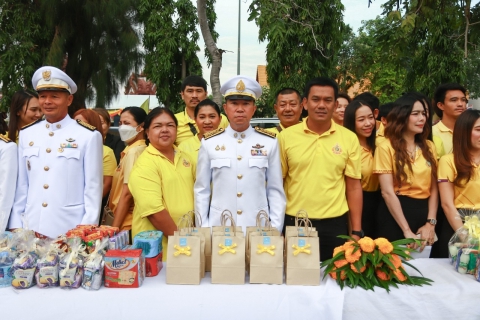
(368, 263)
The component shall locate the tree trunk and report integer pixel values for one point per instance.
(212, 49)
(184, 67)
(467, 25)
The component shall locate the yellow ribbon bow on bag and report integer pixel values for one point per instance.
(227, 248)
(301, 249)
(267, 249)
(182, 250)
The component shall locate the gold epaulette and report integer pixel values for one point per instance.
(3, 138)
(213, 133)
(86, 125)
(30, 124)
(265, 132)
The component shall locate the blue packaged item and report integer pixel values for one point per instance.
(150, 242)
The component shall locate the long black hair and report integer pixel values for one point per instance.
(350, 117)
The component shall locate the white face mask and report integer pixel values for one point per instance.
(127, 133)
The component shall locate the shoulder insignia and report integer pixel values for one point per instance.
(86, 125)
(265, 132)
(30, 124)
(5, 139)
(213, 133)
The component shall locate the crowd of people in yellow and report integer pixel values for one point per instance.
(356, 167)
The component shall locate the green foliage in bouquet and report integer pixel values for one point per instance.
(368, 263)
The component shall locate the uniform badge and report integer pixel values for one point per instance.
(217, 147)
(222, 147)
(60, 150)
(68, 145)
(337, 149)
(47, 75)
(70, 140)
(258, 146)
(186, 163)
(240, 86)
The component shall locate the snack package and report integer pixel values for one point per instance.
(124, 268)
(93, 268)
(153, 265)
(467, 236)
(23, 268)
(150, 242)
(466, 261)
(71, 266)
(7, 256)
(46, 274)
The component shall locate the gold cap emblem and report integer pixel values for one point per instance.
(47, 74)
(240, 86)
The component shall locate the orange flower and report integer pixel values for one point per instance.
(337, 250)
(381, 275)
(352, 266)
(384, 245)
(351, 256)
(333, 274)
(367, 244)
(400, 275)
(396, 261)
(340, 263)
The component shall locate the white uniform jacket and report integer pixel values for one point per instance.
(241, 172)
(8, 179)
(60, 177)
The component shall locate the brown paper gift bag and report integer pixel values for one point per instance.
(266, 259)
(226, 216)
(259, 230)
(185, 227)
(294, 231)
(183, 266)
(303, 261)
(207, 233)
(228, 257)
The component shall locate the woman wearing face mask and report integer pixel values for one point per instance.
(131, 132)
(360, 120)
(207, 118)
(24, 109)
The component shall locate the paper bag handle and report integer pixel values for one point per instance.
(197, 217)
(187, 220)
(307, 225)
(301, 214)
(233, 225)
(223, 217)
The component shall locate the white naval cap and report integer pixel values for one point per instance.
(241, 87)
(54, 79)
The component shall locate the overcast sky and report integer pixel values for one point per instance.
(252, 53)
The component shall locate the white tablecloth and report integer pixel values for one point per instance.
(451, 296)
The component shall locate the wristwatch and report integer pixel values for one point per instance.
(360, 233)
(432, 221)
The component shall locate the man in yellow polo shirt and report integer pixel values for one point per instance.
(288, 108)
(449, 103)
(194, 90)
(321, 169)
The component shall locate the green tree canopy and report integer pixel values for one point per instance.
(95, 42)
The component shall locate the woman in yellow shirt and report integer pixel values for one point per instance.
(359, 119)
(109, 163)
(24, 109)
(459, 174)
(207, 118)
(162, 178)
(132, 133)
(406, 165)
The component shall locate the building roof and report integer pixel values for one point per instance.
(262, 78)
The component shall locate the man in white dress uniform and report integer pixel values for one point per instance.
(239, 167)
(60, 175)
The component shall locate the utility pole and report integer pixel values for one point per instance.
(238, 49)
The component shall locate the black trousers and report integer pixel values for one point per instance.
(444, 233)
(415, 211)
(328, 230)
(371, 200)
